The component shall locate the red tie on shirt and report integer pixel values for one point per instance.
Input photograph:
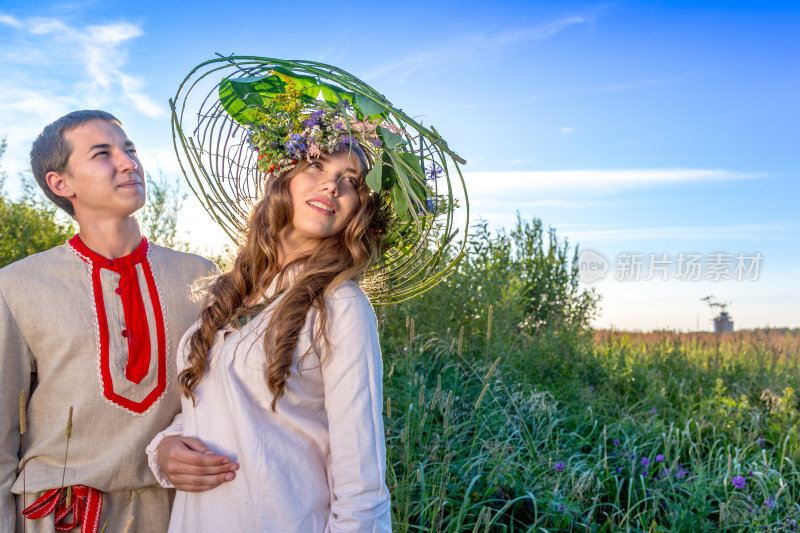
(85, 506)
(137, 331)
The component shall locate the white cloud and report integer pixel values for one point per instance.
(608, 88)
(51, 67)
(132, 87)
(83, 66)
(521, 183)
(465, 46)
(8, 20)
(685, 233)
(567, 129)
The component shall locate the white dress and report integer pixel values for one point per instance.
(318, 464)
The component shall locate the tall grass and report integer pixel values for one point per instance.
(647, 432)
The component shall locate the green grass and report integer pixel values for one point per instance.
(641, 433)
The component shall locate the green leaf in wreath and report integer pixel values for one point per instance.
(399, 201)
(390, 139)
(374, 178)
(407, 178)
(368, 107)
(412, 160)
(312, 87)
(389, 175)
(242, 98)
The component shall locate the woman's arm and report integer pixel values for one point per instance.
(353, 380)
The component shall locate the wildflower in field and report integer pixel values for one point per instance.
(559, 466)
(591, 388)
(616, 442)
(762, 442)
(561, 507)
(769, 503)
(618, 469)
(738, 482)
(659, 458)
(681, 473)
(644, 473)
(645, 461)
(653, 411)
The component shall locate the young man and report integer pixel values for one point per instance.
(89, 329)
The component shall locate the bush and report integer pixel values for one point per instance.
(516, 294)
(30, 224)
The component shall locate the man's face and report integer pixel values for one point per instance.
(104, 178)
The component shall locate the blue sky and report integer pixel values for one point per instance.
(658, 127)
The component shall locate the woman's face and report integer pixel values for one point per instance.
(324, 198)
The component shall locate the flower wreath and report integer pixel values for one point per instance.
(239, 120)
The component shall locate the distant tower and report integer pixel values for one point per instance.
(722, 322)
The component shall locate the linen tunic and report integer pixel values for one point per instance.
(64, 340)
(319, 462)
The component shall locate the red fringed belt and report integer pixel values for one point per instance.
(85, 508)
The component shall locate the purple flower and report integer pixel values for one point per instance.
(738, 482)
(313, 119)
(591, 388)
(429, 205)
(762, 442)
(618, 469)
(616, 442)
(659, 458)
(769, 503)
(296, 146)
(561, 508)
(645, 461)
(681, 473)
(663, 475)
(433, 172)
(653, 411)
(376, 143)
(559, 466)
(644, 472)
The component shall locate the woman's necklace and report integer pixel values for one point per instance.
(246, 313)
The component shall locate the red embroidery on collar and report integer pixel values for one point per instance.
(137, 331)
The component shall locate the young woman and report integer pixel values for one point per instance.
(308, 439)
(281, 378)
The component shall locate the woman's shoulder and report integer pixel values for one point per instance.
(347, 290)
(348, 297)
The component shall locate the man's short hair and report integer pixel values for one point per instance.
(50, 151)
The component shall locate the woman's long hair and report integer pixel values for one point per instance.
(341, 257)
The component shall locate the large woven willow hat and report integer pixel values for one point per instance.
(239, 120)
